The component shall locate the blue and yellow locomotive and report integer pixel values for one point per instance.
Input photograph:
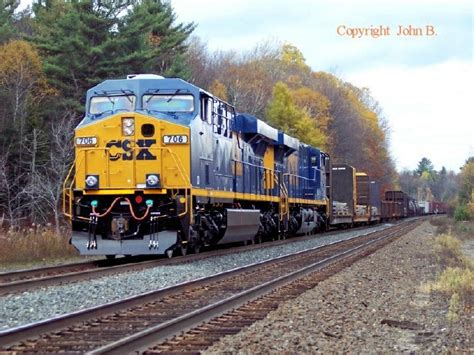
(163, 166)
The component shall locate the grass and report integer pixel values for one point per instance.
(456, 280)
(448, 252)
(442, 223)
(464, 230)
(462, 213)
(35, 244)
(458, 284)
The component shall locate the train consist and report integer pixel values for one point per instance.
(163, 166)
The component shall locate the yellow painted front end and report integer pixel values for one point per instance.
(123, 161)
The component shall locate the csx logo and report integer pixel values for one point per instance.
(143, 152)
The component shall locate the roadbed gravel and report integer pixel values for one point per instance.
(44, 303)
(366, 308)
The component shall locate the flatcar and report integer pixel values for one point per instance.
(163, 166)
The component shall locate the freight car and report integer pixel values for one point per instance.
(375, 202)
(343, 195)
(355, 197)
(162, 166)
(433, 207)
(362, 213)
(440, 207)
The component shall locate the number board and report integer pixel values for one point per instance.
(86, 141)
(175, 139)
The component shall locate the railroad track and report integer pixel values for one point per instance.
(26, 280)
(141, 322)
(22, 280)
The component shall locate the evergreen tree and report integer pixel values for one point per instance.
(72, 37)
(84, 42)
(425, 165)
(7, 18)
(149, 41)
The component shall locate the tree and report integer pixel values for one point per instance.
(291, 55)
(150, 41)
(85, 42)
(466, 183)
(22, 89)
(44, 188)
(425, 165)
(22, 82)
(7, 19)
(282, 113)
(219, 90)
(9, 185)
(317, 106)
(273, 82)
(74, 39)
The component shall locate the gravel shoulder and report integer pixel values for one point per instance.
(375, 306)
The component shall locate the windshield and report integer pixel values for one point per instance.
(168, 103)
(100, 104)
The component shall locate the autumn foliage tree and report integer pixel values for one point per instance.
(285, 114)
(69, 47)
(274, 82)
(467, 182)
(23, 88)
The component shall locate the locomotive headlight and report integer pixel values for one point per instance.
(152, 180)
(92, 181)
(128, 126)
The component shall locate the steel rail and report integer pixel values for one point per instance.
(28, 273)
(143, 340)
(28, 331)
(28, 281)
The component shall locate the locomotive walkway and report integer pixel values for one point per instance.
(142, 321)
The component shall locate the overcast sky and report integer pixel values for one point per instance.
(423, 83)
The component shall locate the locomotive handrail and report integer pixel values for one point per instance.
(259, 168)
(294, 182)
(284, 198)
(68, 191)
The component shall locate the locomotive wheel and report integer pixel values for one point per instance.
(184, 249)
(196, 248)
(169, 253)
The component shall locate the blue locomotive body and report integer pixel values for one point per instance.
(174, 167)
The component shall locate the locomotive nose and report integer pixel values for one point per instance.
(132, 151)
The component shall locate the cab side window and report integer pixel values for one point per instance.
(219, 114)
(206, 109)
